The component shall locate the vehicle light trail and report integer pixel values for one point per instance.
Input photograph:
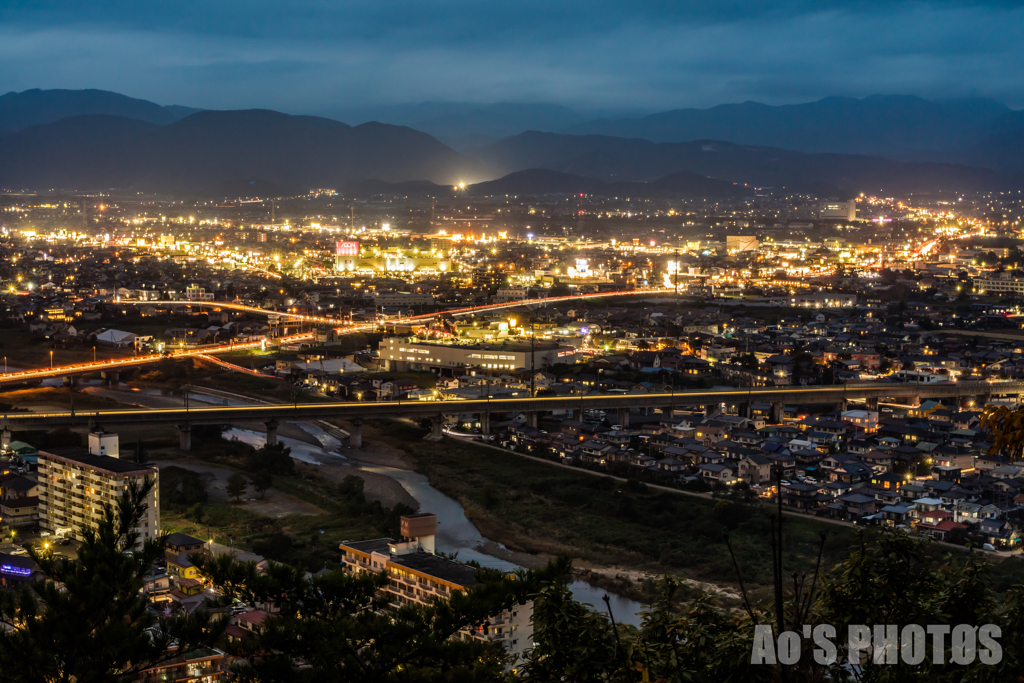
(111, 365)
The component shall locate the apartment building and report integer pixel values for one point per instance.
(75, 484)
(419, 576)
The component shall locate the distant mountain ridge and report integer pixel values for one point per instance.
(209, 148)
(884, 125)
(181, 150)
(463, 124)
(612, 159)
(20, 110)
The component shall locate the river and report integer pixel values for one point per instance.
(455, 533)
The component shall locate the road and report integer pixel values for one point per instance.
(838, 394)
(115, 365)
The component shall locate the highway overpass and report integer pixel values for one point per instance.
(356, 412)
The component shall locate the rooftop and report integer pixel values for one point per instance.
(97, 462)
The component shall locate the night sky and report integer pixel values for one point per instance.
(302, 56)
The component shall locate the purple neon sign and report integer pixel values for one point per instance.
(16, 571)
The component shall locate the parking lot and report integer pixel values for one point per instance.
(61, 547)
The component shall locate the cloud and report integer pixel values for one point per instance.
(310, 56)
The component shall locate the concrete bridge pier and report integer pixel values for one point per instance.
(5, 437)
(185, 436)
(776, 412)
(355, 434)
(271, 426)
(70, 380)
(871, 403)
(532, 419)
(839, 406)
(623, 417)
(744, 410)
(485, 423)
(111, 376)
(436, 428)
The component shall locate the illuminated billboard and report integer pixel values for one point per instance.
(348, 249)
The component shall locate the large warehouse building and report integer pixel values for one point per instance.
(400, 355)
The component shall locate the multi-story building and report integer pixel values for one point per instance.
(843, 211)
(401, 299)
(824, 300)
(202, 665)
(74, 486)
(196, 293)
(505, 296)
(1006, 282)
(400, 355)
(418, 576)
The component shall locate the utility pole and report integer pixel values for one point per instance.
(533, 356)
(676, 266)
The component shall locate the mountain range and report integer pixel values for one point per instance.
(622, 159)
(36, 107)
(886, 125)
(89, 139)
(208, 148)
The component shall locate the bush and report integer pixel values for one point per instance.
(181, 488)
(276, 459)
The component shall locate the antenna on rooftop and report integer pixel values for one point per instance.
(579, 215)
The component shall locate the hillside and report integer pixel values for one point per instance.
(884, 125)
(19, 110)
(210, 148)
(630, 160)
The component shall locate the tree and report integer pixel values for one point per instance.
(749, 361)
(276, 459)
(89, 620)
(333, 628)
(196, 513)
(1007, 427)
(261, 481)
(236, 486)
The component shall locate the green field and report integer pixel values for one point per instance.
(538, 508)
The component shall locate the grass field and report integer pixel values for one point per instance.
(57, 396)
(26, 351)
(310, 541)
(535, 507)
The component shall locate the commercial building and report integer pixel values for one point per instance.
(824, 300)
(505, 296)
(392, 263)
(842, 211)
(1005, 282)
(75, 484)
(398, 354)
(418, 576)
(735, 244)
(401, 299)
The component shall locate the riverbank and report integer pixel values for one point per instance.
(620, 530)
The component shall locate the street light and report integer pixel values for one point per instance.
(51, 359)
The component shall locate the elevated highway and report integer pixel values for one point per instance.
(837, 395)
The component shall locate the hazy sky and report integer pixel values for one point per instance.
(306, 56)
